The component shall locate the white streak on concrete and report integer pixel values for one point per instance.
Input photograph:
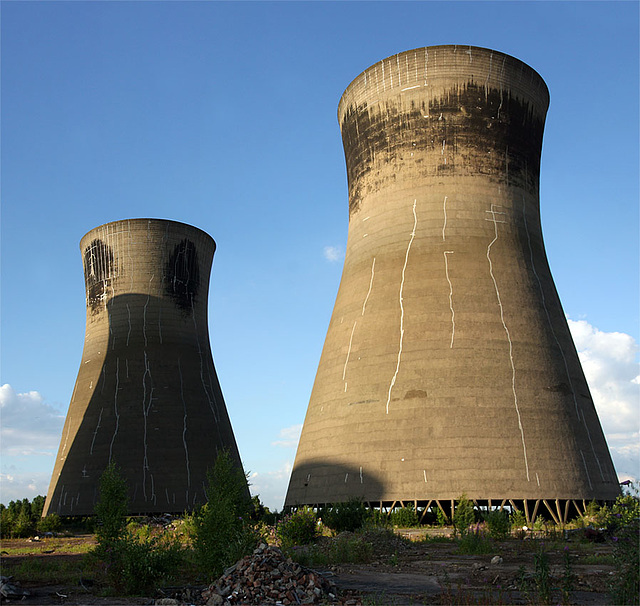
(344, 370)
(346, 477)
(586, 469)
(209, 396)
(145, 412)
(453, 313)
(411, 87)
(361, 480)
(424, 472)
(144, 313)
(115, 407)
(184, 426)
(537, 478)
(406, 259)
(129, 317)
(444, 225)
(364, 305)
(95, 431)
(506, 330)
(443, 144)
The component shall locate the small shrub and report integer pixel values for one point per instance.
(498, 524)
(463, 516)
(298, 528)
(349, 516)
(112, 506)
(441, 518)
(223, 531)
(542, 575)
(518, 520)
(405, 517)
(128, 563)
(50, 523)
(474, 541)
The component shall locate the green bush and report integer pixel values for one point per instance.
(223, 531)
(441, 518)
(405, 517)
(498, 524)
(518, 520)
(50, 523)
(298, 528)
(474, 542)
(343, 549)
(349, 516)
(130, 564)
(111, 509)
(463, 516)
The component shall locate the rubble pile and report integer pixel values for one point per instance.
(269, 577)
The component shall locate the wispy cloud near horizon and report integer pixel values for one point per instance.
(333, 254)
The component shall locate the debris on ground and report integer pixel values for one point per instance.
(11, 590)
(269, 577)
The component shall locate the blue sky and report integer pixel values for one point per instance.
(223, 115)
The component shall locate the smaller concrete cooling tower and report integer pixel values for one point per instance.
(147, 395)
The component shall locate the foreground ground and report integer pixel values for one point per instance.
(399, 572)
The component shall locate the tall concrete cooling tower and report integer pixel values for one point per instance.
(448, 365)
(147, 395)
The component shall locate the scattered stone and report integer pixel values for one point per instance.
(167, 602)
(268, 577)
(495, 560)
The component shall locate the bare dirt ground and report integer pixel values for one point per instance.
(398, 575)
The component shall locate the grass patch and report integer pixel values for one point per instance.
(606, 559)
(45, 571)
(343, 549)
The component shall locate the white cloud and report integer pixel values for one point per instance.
(333, 254)
(609, 363)
(288, 437)
(18, 486)
(272, 485)
(29, 425)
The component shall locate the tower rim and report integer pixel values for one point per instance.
(348, 93)
(139, 220)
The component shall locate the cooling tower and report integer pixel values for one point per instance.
(147, 395)
(448, 365)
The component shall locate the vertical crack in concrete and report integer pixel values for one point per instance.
(209, 397)
(129, 318)
(444, 225)
(115, 408)
(144, 312)
(584, 462)
(406, 259)
(453, 313)
(555, 337)
(95, 431)
(184, 425)
(364, 305)
(506, 330)
(344, 370)
(145, 413)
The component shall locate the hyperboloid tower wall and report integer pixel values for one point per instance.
(147, 395)
(448, 365)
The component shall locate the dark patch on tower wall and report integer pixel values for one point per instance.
(183, 275)
(486, 131)
(98, 273)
